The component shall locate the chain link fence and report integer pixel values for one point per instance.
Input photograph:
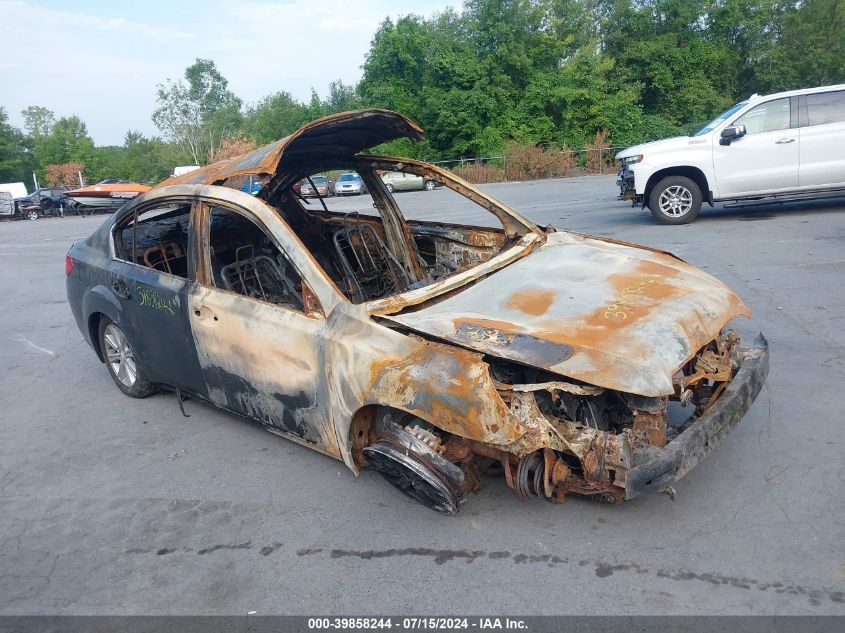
(530, 162)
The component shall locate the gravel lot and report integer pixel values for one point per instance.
(115, 506)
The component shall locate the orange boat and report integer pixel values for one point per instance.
(107, 193)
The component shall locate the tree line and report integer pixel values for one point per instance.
(498, 74)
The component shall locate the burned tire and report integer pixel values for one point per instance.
(413, 475)
(121, 362)
(675, 200)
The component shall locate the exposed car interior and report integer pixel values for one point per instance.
(367, 261)
(243, 259)
(246, 261)
(157, 238)
(347, 238)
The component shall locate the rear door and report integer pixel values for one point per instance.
(404, 181)
(413, 182)
(822, 120)
(763, 161)
(152, 277)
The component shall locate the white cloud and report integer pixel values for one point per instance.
(105, 69)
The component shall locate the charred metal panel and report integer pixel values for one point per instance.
(368, 363)
(655, 468)
(607, 314)
(264, 362)
(334, 137)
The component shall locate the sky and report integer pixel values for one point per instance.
(102, 60)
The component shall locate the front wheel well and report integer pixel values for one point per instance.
(364, 423)
(693, 173)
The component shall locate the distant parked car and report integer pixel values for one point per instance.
(349, 184)
(183, 169)
(322, 185)
(10, 194)
(43, 201)
(779, 147)
(399, 181)
(252, 186)
(7, 205)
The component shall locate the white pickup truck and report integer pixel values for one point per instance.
(779, 147)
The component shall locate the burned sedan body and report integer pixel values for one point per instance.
(434, 353)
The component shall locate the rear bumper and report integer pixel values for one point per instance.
(655, 468)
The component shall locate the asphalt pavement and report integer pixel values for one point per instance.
(116, 506)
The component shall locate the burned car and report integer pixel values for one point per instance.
(434, 353)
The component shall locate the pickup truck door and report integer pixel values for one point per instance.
(763, 161)
(822, 120)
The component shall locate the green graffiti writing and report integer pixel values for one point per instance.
(152, 299)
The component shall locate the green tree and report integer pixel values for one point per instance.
(809, 49)
(147, 160)
(68, 142)
(38, 121)
(14, 163)
(274, 117)
(198, 113)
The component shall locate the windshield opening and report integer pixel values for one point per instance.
(719, 119)
(357, 231)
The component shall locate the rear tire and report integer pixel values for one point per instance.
(429, 185)
(121, 361)
(390, 188)
(675, 200)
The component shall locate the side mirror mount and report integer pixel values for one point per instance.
(731, 133)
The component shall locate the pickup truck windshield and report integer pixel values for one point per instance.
(727, 113)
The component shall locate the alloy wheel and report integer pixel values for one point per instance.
(675, 201)
(120, 357)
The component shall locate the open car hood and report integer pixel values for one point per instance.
(337, 137)
(603, 312)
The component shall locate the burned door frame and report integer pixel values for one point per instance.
(262, 360)
(154, 305)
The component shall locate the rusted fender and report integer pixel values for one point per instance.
(370, 364)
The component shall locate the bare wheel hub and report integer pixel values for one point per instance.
(412, 475)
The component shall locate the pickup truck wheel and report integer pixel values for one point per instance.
(121, 361)
(675, 200)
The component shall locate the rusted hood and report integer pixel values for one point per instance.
(609, 314)
(334, 138)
